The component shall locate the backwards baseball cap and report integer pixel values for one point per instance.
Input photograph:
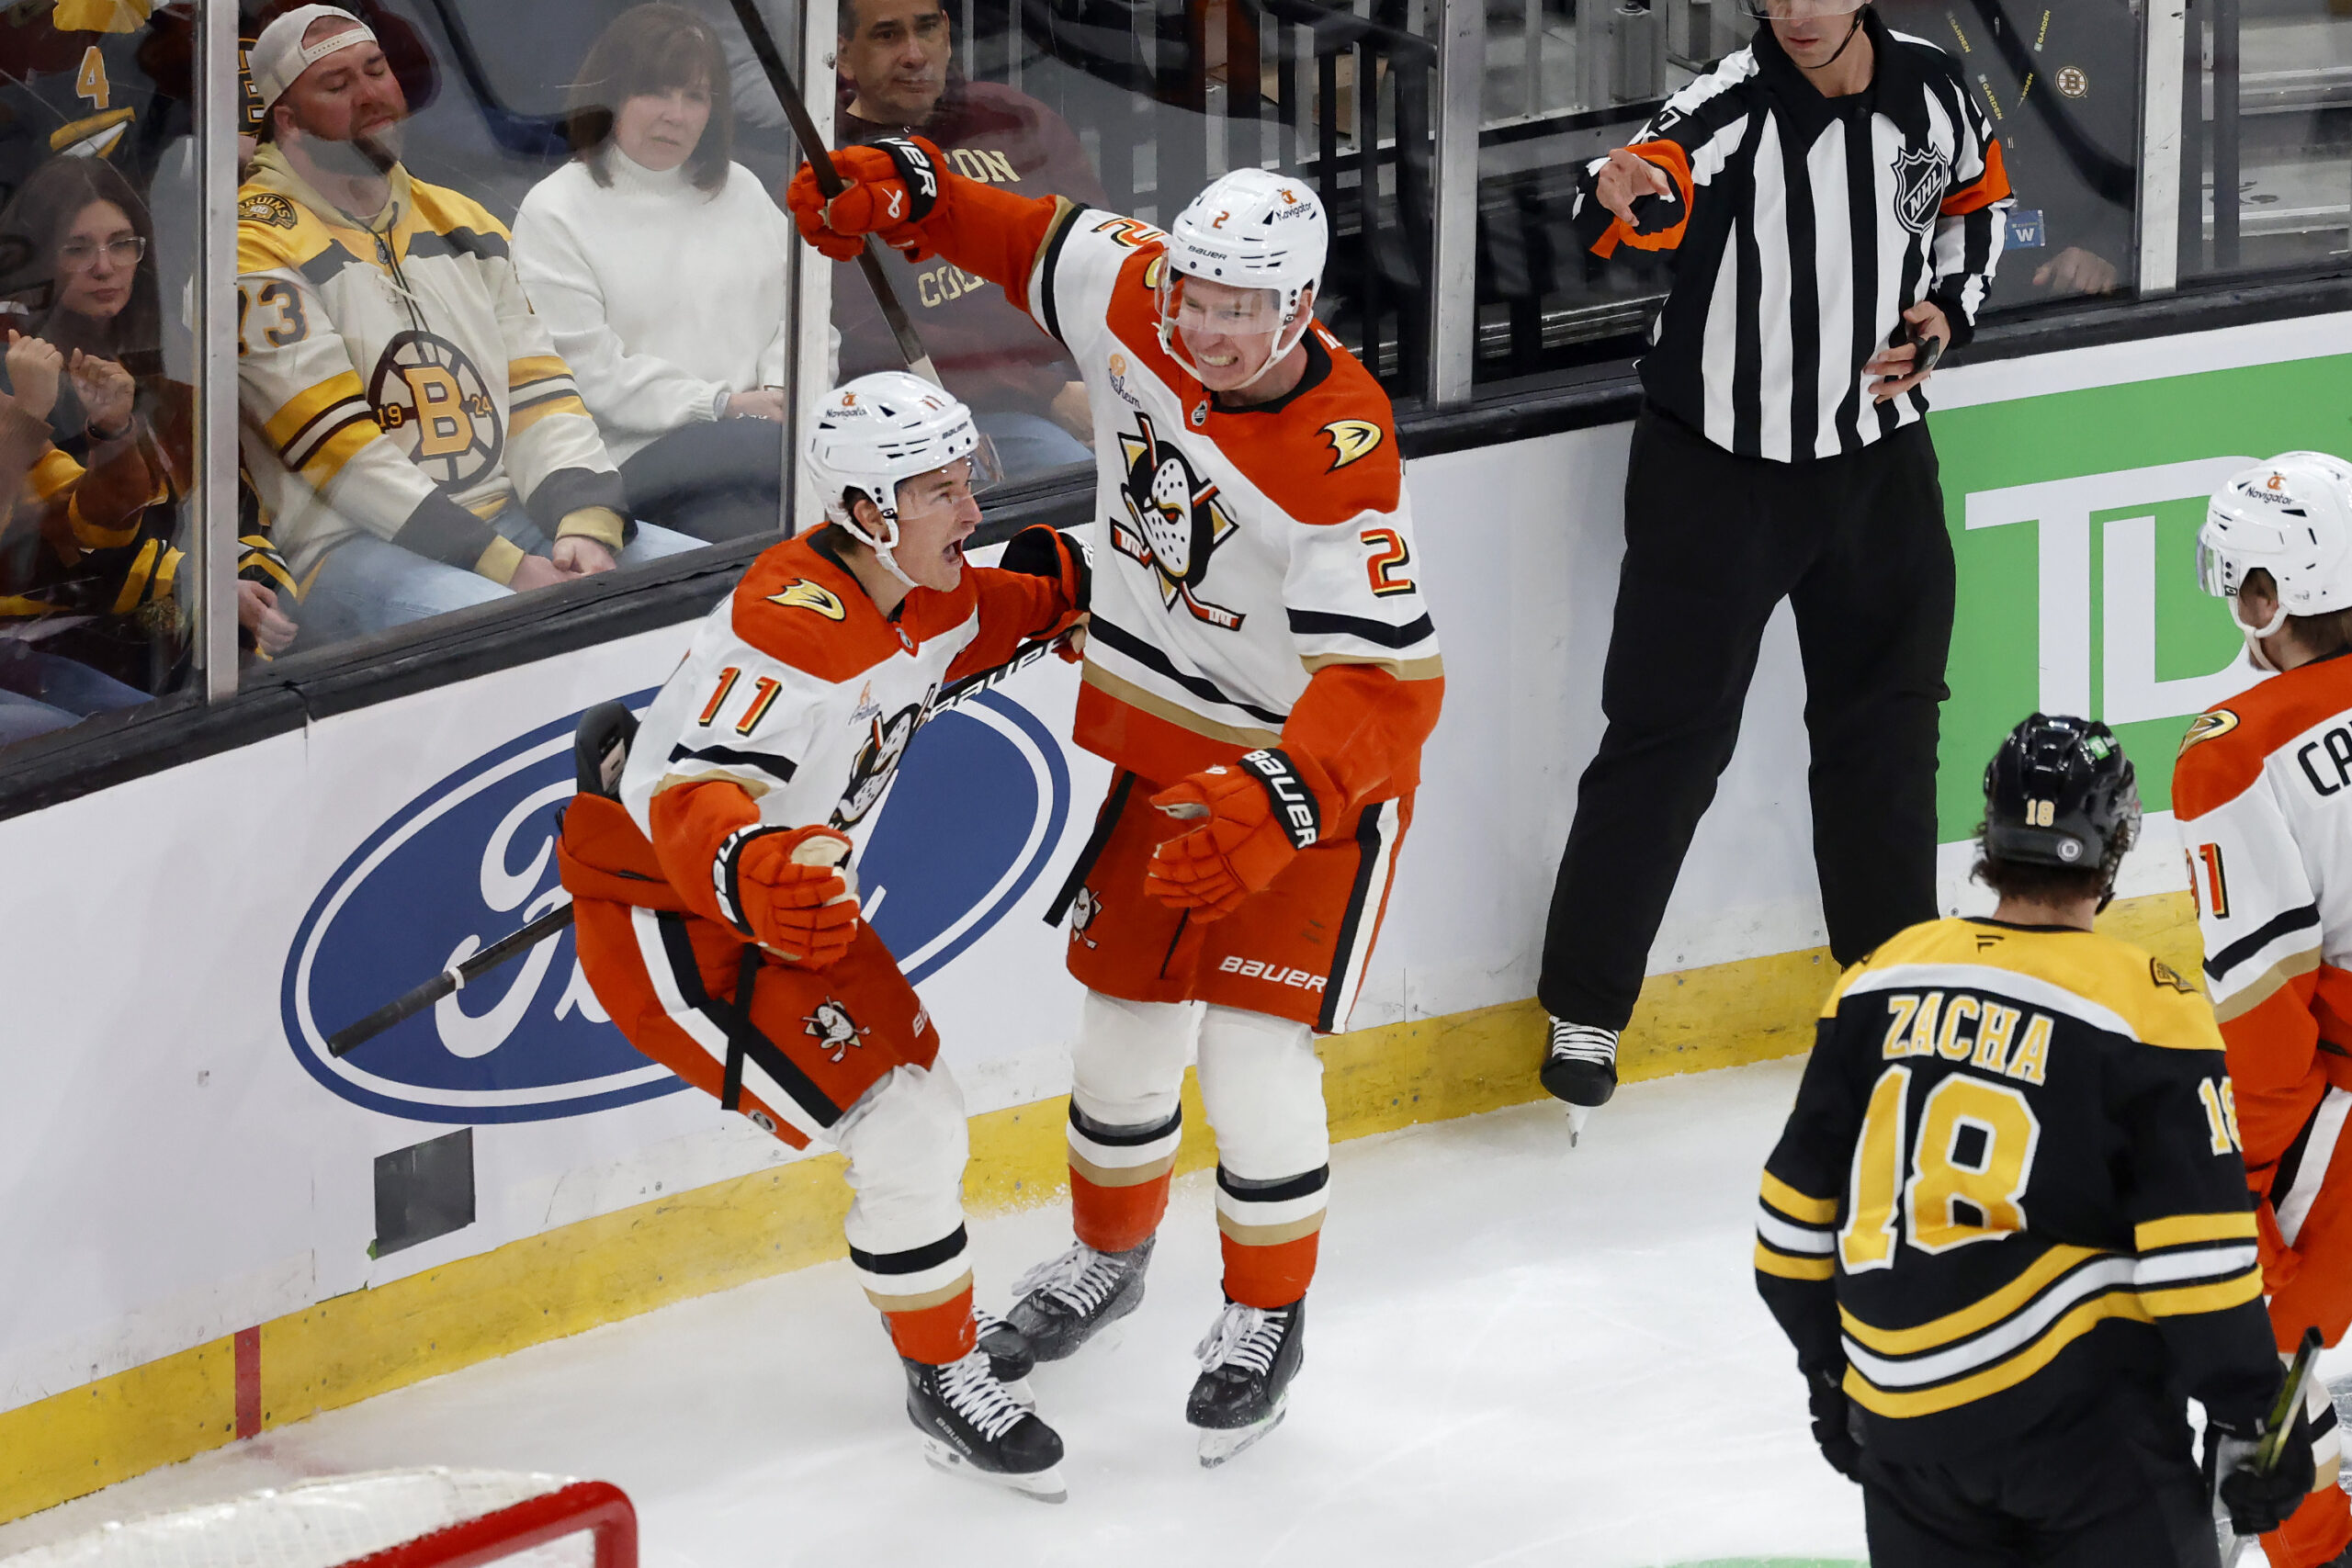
(279, 55)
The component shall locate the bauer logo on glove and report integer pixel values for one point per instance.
(1255, 816)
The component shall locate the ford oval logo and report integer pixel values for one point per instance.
(980, 802)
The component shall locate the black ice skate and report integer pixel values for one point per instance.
(971, 1426)
(1247, 1363)
(1580, 1067)
(1010, 1357)
(1064, 1304)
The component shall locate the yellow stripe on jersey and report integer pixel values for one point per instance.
(2180, 1230)
(305, 406)
(1795, 1204)
(51, 472)
(531, 367)
(167, 574)
(2219, 1295)
(90, 536)
(2106, 975)
(1977, 1315)
(523, 418)
(1429, 668)
(135, 583)
(1786, 1267)
(2119, 1302)
(323, 465)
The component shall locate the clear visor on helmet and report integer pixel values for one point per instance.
(1798, 10)
(951, 486)
(2213, 571)
(1202, 307)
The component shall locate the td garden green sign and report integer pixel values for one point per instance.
(2074, 520)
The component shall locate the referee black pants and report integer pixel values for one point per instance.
(1713, 543)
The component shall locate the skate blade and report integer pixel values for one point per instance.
(1577, 1116)
(1216, 1446)
(1044, 1485)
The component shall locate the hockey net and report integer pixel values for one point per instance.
(398, 1518)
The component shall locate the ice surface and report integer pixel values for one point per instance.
(1518, 1354)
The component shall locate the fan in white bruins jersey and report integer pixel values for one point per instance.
(414, 439)
(2006, 1228)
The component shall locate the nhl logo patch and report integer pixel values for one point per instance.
(1918, 187)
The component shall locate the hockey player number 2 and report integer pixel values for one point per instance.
(1963, 1181)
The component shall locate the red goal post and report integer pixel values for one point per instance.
(407, 1518)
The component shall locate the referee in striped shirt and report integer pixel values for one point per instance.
(1834, 202)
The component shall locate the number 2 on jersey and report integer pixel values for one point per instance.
(1962, 1180)
(1390, 555)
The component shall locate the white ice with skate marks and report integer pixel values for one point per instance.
(1517, 1354)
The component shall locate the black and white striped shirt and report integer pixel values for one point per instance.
(1808, 226)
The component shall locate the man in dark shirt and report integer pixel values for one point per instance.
(896, 80)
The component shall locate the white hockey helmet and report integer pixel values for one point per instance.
(1250, 229)
(876, 433)
(2291, 517)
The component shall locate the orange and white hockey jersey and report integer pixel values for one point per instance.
(1256, 581)
(2263, 795)
(803, 695)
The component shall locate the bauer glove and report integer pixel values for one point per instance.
(2258, 1501)
(1832, 1427)
(791, 890)
(894, 184)
(1260, 812)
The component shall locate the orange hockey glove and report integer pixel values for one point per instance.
(894, 184)
(1260, 811)
(791, 890)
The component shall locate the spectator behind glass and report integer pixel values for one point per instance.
(407, 422)
(896, 78)
(2061, 84)
(658, 266)
(80, 251)
(42, 690)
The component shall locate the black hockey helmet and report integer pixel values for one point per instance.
(2060, 791)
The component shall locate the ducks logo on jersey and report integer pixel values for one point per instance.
(869, 774)
(833, 1030)
(1177, 523)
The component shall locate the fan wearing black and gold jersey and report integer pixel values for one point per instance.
(2006, 1226)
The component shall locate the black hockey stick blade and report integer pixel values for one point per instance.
(1028, 653)
(820, 161)
(513, 945)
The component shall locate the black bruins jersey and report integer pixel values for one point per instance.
(2012, 1178)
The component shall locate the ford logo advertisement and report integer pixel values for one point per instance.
(980, 801)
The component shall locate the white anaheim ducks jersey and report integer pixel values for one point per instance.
(394, 380)
(1236, 551)
(802, 693)
(2263, 796)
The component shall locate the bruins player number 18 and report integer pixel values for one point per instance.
(2007, 1227)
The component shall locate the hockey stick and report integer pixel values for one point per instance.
(516, 943)
(820, 163)
(2282, 1421)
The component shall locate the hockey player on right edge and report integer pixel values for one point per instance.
(2005, 1227)
(2259, 794)
(1262, 671)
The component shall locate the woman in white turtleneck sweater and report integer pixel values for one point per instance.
(658, 266)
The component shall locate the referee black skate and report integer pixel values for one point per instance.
(1836, 202)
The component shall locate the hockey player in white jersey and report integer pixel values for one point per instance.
(2263, 795)
(1261, 670)
(717, 914)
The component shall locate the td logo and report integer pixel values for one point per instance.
(2079, 596)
